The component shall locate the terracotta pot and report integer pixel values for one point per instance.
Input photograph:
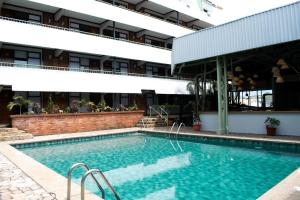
(271, 131)
(196, 127)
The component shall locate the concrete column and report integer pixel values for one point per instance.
(222, 95)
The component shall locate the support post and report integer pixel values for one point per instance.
(222, 95)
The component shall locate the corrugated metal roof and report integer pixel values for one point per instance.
(271, 27)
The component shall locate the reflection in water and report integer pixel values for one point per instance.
(136, 172)
(164, 194)
(140, 171)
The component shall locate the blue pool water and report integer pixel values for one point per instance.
(142, 167)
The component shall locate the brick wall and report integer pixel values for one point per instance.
(78, 122)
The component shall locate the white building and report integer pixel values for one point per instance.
(92, 49)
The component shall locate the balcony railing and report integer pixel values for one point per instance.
(164, 20)
(6, 64)
(77, 31)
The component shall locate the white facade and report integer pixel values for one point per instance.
(45, 37)
(29, 79)
(50, 34)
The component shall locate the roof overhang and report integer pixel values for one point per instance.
(276, 26)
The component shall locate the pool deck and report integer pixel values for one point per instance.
(47, 181)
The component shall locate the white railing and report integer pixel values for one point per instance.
(78, 31)
(5, 64)
(158, 110)
(148, 15)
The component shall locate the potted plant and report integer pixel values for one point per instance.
(18, 101)
(196, 123)
(271, 125)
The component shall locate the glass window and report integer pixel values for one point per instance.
(84, 63)
(21, 55)
(34, 18)
(123, 68)
(34, 59)
(74, 25)
(74, 63)
(124, 99)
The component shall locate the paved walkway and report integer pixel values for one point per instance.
(16, 185)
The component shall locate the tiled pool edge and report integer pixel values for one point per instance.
(42, 175)
(286, 189)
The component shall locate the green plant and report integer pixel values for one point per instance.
(272, 122)
(133, 107)
(18, 101)
(91, 106)
(50, 105)
(102, 105)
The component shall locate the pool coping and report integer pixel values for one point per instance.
(288, 188)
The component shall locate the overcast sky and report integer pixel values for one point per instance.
(234, 9)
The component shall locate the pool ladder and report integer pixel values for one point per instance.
(89, 172)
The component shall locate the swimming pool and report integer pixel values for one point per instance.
(145, 166)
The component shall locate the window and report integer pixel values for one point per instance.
(34, 59)
(31, 58)
(122, 35)
(79, 27)
(124, 99)
(35, 98)
(121, 67)
(34, 18)
(152, 70)
(74, 26)
(79, 63)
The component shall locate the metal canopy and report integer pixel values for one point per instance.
(268, 28)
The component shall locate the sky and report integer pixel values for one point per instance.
(234, 9)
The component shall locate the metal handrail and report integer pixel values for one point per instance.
(166, 118)
(143, 123)
(6, 64)
(174, 124)
(78, 31)
(181, 124)
(85, 167)
(97, 171)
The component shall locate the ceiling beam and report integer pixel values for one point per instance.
(104, 25)
(141, 33)
(58, 14)
(58, 52)
(141, 4)
(140, 63)
(169, 14)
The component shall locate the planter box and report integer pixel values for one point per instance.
(75, 122)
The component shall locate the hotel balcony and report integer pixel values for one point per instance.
(63, 79)
(19, 32)
(99, 11)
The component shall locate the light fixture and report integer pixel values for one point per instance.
(241, 76)
(252, 88)
(240, 88)
(255, 76)
(275, 69)
(230, 75)
(279, 79)
(238, 69)
(249, 79)
(236, 79)
(241, 82)
(276, 74)
(282, 63)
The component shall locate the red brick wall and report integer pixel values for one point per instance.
(79, 122)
